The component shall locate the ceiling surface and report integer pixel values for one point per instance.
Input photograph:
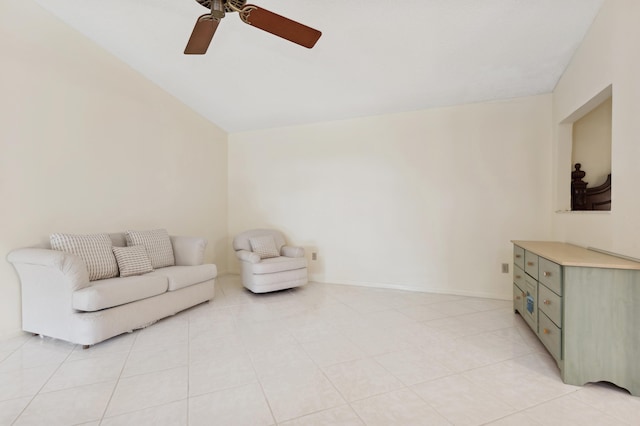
(374, 57)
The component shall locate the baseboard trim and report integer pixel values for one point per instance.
(481, 294)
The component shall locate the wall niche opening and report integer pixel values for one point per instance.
(591, 154)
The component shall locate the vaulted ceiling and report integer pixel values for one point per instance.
(374, 56)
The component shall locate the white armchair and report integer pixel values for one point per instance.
(268, 264)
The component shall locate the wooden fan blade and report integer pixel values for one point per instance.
(280, 26)
(202, 35)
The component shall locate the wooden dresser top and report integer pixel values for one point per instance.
(571, 255)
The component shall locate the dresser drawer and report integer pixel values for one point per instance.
(531, 264)
(550, 304)
(551, 336)
(550, 275)
(518, 299)
(530, 305)
(518, 256)
(518, 277)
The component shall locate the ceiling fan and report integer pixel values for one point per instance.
(255, 16)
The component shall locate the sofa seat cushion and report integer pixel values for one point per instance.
(184, 276)
(112, 292)
(278, 264)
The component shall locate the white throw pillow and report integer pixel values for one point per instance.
(264, 246)
(157, 243)
(95, 250)
(132, 260)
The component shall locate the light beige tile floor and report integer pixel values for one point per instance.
(318, 355)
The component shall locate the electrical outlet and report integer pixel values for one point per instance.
(314, 256)
(505, 268)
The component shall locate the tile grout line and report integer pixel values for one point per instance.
(46, 381)
(113, 391)
(522, 411)
(255, 371)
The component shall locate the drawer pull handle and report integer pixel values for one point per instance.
(518, 256)
(517, 297)
(530, 263)
(546, 274)
(546, 302)
(546, 331)
(518, 277)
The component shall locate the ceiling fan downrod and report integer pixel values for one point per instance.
(217, 9)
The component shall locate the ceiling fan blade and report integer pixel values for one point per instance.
(202, 35)
(280, 26)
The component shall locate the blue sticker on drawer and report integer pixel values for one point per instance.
(529, 303)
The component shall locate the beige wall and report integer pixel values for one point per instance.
(427, 200)
(591, 145)
(608, 56)
(88, 145)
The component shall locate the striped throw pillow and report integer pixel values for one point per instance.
(132, 260)
(157, 243)
(94, 250)
(264, 246)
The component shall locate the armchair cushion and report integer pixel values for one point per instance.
(241, 241)
(247, 256)
(94, 250)
(264, 246)
(279, 264)
(291, 251)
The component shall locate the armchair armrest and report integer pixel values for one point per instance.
(188, 251)
(34, 263)
(291, 251)
(247, 256)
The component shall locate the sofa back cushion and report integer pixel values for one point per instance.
(118, 239)
(188, 251)
(157, 243)
(95, 250)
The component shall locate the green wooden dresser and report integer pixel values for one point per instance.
(584, 307)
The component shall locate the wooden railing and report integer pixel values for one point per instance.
(583, 198)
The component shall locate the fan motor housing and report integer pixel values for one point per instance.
(237, 3)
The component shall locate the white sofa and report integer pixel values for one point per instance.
(59, 301)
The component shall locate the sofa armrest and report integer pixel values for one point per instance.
(48, 280)
(247, 256)
(188, 251)
(36, 264)
(291, 251)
